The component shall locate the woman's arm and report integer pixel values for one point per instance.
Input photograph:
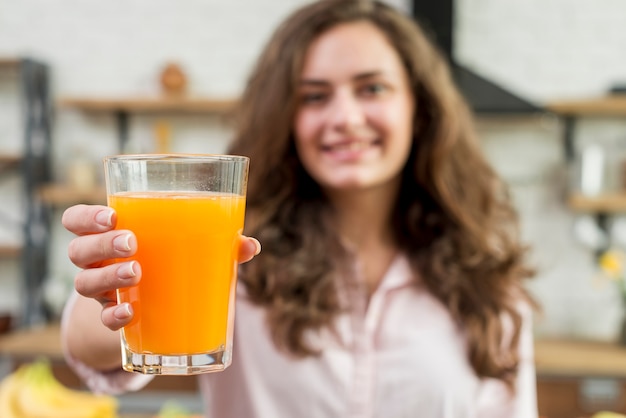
(84, 360)
(86, 338)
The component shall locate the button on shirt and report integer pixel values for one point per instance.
(401, 355)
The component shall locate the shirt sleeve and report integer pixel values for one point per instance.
(112, 382)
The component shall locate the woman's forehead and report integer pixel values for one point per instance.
(350, 48)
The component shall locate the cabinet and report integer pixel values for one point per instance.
(34, 167)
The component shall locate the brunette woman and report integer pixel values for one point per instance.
(391, 282)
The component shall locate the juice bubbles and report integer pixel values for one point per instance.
(187, 248)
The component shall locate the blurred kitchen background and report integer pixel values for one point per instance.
(81, 79)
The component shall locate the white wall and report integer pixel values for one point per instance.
(550, 50)
(546, 49)
(542, 49)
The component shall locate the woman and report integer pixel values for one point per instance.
(391, 278)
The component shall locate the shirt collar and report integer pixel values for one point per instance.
(398, 274)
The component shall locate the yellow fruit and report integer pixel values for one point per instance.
(612, 264)
(607, 414)
(40, 395)
(9, 388)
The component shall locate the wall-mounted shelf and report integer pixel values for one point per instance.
(571, 110)
(608, 203)
(58, 195)
(149, 104)
(10, 251)
(62, 195)
(611, 105)
(10, 159)
(122, 107)
(9, 62)
(9, 162)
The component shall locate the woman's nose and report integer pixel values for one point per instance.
(345, 111)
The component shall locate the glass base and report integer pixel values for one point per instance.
(184, 364)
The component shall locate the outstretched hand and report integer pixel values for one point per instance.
(97, 243)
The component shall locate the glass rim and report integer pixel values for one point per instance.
(176, 157)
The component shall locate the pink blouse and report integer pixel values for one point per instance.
(400, 356)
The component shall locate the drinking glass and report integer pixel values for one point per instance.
(187, 212)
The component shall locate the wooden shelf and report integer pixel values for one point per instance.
(605, 203)
(10, 251)
(8, 161)
(8, 62)
(62, 195)
(610, 105)
(563, 358)
(149, 104)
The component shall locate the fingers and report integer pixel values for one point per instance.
(248, 248)
(88, 219)
(91, 250)
(115, 316)
(101, 283)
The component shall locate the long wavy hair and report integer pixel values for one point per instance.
(453, 218)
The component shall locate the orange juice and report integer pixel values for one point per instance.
(187, 248)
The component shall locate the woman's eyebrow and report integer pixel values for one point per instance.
(313, 82)
(321, 83)
(367, 74)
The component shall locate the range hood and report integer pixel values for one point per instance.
(483, 95)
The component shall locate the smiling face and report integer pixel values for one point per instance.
(353, 124)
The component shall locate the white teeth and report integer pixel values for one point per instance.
(352, 146)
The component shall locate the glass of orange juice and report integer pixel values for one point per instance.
(187, 212)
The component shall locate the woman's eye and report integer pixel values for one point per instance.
(312, 98)
(373, 89)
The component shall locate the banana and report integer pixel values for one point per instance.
(9, 389)
(42, 396)
(32, 391)
(608, 414)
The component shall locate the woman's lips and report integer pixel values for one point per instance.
(350, 150)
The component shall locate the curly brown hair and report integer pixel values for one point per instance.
(453, 218)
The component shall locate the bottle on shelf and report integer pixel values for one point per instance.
(81, 172)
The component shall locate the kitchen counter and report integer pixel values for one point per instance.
(575, 358)
(567, 374)
(553, 357)
(40, 341)
(20, 346)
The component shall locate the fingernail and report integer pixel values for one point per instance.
(127, 270)
(104, 217)
(257, 244)
(123, 311)
(122, 242)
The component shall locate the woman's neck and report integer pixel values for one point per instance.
(363, 216)
(364, 224)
